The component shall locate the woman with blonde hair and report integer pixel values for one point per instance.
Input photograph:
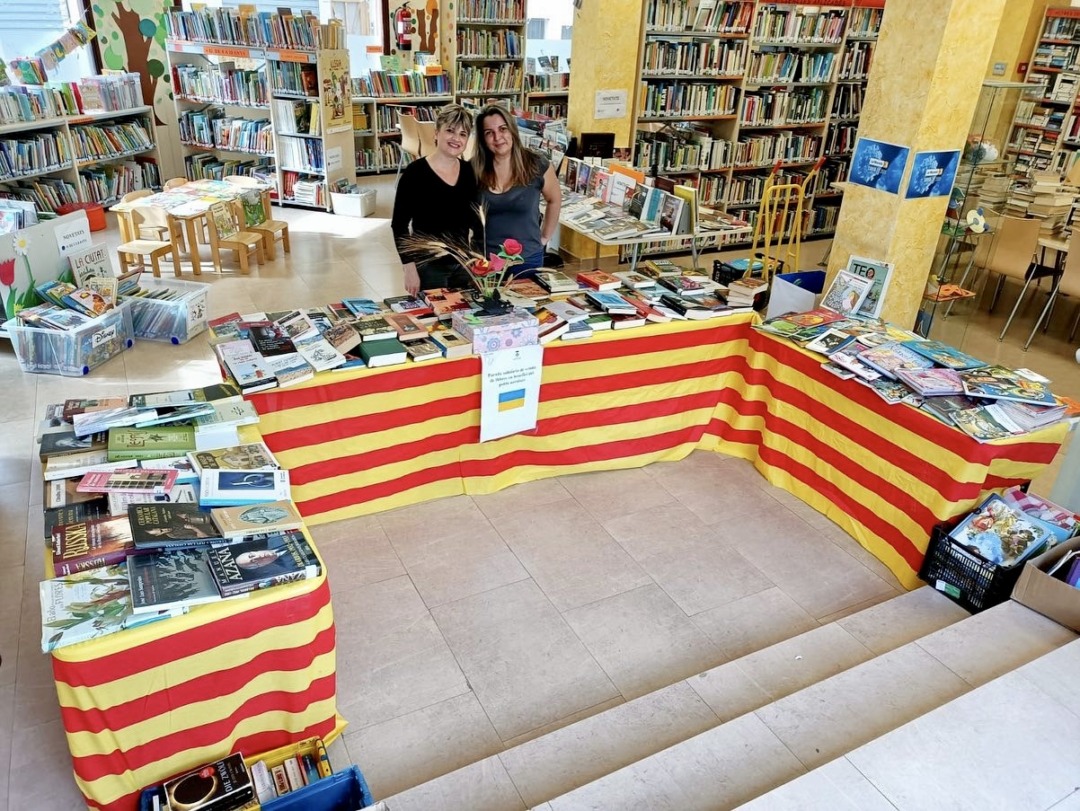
(435, 198)
(512, 180)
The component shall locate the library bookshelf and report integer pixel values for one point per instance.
(85, 158)
(378, 99)
(486, 45)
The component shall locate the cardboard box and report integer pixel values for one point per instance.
(1049, 596)
(494, 332)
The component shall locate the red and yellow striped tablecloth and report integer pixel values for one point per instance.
(360, 442)
(242, 675)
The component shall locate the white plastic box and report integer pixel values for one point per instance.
(177, 320)
(75, 352)
(354, 205)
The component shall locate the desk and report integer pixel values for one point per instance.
(187, 205)
(365, 441)
(248, 674)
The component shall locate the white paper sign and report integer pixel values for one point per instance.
(510, 391)
(333, 159)
(73, 236)
(610, 104)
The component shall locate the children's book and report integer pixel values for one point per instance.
(944, 355)
(227, 488)
(999, 383)
(263, 562)
(846, 293)
(985, 423)
(891, 357)
(829, 341)
(999, 533)
(932, 382)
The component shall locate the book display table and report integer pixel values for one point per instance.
(249, 674)
(365, 441)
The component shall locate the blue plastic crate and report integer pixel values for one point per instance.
(345, 790)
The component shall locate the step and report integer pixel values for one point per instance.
(1012, 743)
(579, 753)
(754, 753)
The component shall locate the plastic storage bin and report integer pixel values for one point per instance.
(361, 204)
(176, 320)
(95, 213)
(964, 577)
(342, 791)
(72, 353)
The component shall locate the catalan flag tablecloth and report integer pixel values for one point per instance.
(360, 442)
(244, 675)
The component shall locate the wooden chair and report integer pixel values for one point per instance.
(470, 146)
(224, 233)
(410, 141)
(175, 182)
(158, 232)
(136, 251)
(253, 210)
(1011, 253)
(426, 130)
(1068, 284)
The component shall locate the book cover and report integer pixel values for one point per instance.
(343, 337)
(63, 492)
(611, 302)
(54, 517)
(83, 405)
(374, 327)
(262, 563)
(944, 355)
(180, 494)
(275, 516)
(1000, 383)
(362, 306)
(422, 350)
(813, 318)
(1059, 521)
(999, 533)
(406, 327)
(87, 605)
(249, 456)
(829, 341)
(270, 339)
(185, 469)
(985, 423)
(288, 370)
(183, 397)
(383, 353)
(156, 525)
(217, 786)
(230, 411)
(932, 382)
(165, 579)
(246, 366)
(451, 343)
(150, 443)
(846, 293)
(598, 280)
(139, 481)
(226, 488)
(65, 443)
(942, 407)
(91, 543)
(891, 357)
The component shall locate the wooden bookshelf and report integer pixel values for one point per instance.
(378, 141)
(487, 50)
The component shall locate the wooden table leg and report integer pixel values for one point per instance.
(193, 245)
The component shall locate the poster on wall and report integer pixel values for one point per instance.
(878, 164)
(414, 28)
(933, 173)
(510, 391)
(337, 101)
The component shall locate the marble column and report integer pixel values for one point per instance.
(929, 64)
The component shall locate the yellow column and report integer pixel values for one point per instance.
(930, 60)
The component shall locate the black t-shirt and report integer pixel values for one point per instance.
(433, 207)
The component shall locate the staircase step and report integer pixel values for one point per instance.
(987, 749)
(741, 759)
(575, 755)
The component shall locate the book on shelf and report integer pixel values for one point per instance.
(228, 488)
(150, 443)
(91, 543)
(88, 605)
(157, 525)
(170, 579)
(262, 562)
(238, 522)
(139, 481)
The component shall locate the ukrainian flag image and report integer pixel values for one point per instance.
(509, 400)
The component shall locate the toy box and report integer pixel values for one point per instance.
(490, 333)
(177, 319)
(73, 352)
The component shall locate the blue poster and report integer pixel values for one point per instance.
(878, 164)
(933, 173)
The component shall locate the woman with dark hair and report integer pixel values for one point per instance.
(512, 179)
(435, 198)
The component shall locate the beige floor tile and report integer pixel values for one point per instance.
(1055, 673)
(569, 554)
(729, 765)
(481, 786)
(836, 786)
(575, 755)
(392, 658)
(995, 641)
(1069, 803)
(565, 721)
(705, 490)
(729, 691)
(511, 500)
(645, 784)
(521, 658)
(440, 530)
(20, 391)
(903, 619)
(643, 536)
(642, 640)
(18, 462)
(41, 771)
(796, 663)
(986, 750)
(857, 608)
(443, 581)
(422, 745)
(845, 542)
(754, 622)
(828, 719)
(614, 493)
(356, 559)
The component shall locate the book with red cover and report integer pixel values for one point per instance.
(598, 280)
(91, 543)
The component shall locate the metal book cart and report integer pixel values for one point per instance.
(778, 231)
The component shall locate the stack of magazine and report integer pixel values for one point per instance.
(1010, 528)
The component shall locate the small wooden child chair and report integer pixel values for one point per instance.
(225, 234)
(253, 208)
(138, 250)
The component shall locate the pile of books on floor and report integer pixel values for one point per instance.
(270, 349)
(153, 504)
(1008, 529)
(1042, 198)
(984, 401)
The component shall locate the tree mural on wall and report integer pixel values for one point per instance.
(128, 38)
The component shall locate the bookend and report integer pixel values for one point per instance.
(962, 576)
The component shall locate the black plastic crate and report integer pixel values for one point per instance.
(963, 576)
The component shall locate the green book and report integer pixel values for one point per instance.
(386, 352)
(159, 442)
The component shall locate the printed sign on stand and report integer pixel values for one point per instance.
(510, 391)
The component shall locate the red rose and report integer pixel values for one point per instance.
(512, 247)
(7, 272)
(481, 268)
(496, 263)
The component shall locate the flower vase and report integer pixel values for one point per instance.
(493, 304)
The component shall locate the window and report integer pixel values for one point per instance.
(298, 7)
(35, 15)
(536, 28)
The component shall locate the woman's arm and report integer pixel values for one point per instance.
(553, 197)
(404, 202)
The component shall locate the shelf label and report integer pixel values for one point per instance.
(230, 51)
(610, 104)
(292, 56)
(333, 159)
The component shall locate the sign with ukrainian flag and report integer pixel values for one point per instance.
(510, 391)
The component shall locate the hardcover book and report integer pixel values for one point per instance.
(226, 488)
(999, 533)
(999, 383)
(157, 525)
(406, 327)
(237, 522)
(598, 280)
(374, 327)
(262, 563)
(985, 423)
(891, 357)
(422, 350)
(451, 343)
(383, 352)
(166, 579)
(944, 355)
(150, 443)
(91, 543)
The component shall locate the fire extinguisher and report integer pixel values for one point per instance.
(404, 27)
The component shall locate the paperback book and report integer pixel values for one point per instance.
(168, 579)
(91, 543)
(262, 563)
(150, 443)
(138, 481)
(944, 355)
(157, 525)
(238, 522)
(1000, 383)
(999, 533)
(249, 456)
(227, 488)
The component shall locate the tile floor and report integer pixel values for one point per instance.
(473, 624)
